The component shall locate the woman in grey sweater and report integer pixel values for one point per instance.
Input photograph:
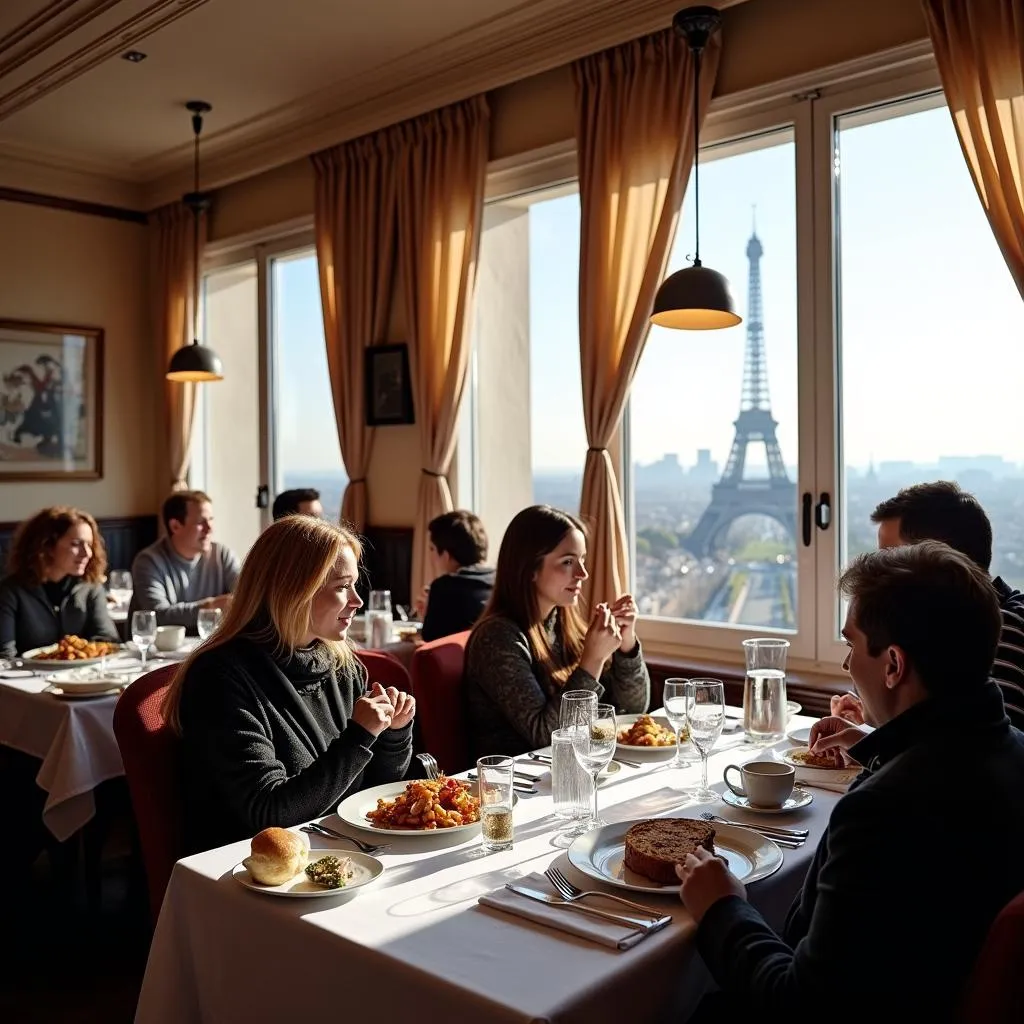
(277, 721)
(533, 643)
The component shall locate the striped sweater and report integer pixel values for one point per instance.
(1008, 668)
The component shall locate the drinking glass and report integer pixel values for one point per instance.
(764, 690)
(494, 780)
(119, 583)
(143, 633)
(207, 621)
(570, 784)
(675, 702)
(705, 716)
(593, 743)
(379, 619)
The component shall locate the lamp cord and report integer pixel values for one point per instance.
(696, 154)
(197, 125)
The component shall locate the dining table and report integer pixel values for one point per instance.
(417, 942)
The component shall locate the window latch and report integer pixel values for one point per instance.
(262, 496)
(823, 511)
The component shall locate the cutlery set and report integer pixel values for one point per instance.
(789, 838)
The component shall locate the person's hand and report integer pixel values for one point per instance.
(403, 705)
(848, 706)
(420, 604)
(374, 710)
(602, 640)
(624, 611)
(832, 737)
(706, 879)
(223, 602)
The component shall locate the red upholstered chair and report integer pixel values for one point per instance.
(385, 669)
(440, 701)
(149, 751)
(995, 990)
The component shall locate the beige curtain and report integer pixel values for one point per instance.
(440, 210)
(173, 282)
(979, 47)
(635, 137)
(354, 215)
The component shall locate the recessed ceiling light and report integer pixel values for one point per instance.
(135, 56)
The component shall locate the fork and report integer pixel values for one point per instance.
(316, 829)
(429, 763)
(570, 893)
(789, 833)
(789, 842)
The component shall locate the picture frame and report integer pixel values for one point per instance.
(388, 388)
(51, 401)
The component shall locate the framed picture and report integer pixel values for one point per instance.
(51, 401)
(388, 389)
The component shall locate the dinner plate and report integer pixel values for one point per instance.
(814, 773)
(793, 708)
(86, 694)
(86, 680)
(32, 659)
(366, 869)
(600, 854)
(625, 721)
(801, 737)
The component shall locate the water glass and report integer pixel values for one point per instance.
(764, 690)
(494, 780)
(577, 708)
(705, 717)
(593, 743)
(143, 633)
(207, 621)
(570, 786)
(675, 702)
(379, 618)
(119, 585)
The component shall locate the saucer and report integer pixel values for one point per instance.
(799, 798)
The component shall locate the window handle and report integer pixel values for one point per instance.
(808, 502)
(823, 511)
(262, 496)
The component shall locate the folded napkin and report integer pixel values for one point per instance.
(565, 918)
(832, 787)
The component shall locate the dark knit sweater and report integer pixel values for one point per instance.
(270, 741)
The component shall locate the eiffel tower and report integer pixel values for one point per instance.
(734, 495)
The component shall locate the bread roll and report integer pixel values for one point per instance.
(277, 856)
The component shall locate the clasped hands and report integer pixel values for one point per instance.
(833, 736)
(379, 709)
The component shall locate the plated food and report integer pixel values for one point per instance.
(653, 848)
(428, 804)
(73, 649)
(805, 757)
(647, 731)
(813, 768)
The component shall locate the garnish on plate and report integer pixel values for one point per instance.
(331, 872)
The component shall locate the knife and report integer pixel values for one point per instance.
(544, 897)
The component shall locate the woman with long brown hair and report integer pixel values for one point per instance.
(533, 643)
(54, 587)
(275, 717)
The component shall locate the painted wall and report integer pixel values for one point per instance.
(61, 267)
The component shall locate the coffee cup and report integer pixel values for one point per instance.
(169, 638)
(764, 783)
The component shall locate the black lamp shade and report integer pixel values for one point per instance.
(195, 363)
(695, 298)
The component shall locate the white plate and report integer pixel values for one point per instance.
(600, 854)
(85, 680)
(792, 708)
(352, 810)
(811, 774)
(31, 659)
(802, 737)
(87, 694)
(800, 798)
(366, 869)
(625, 721)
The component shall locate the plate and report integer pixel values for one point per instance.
(366, 869)
(31, 659)
(807, 773)
(800, 798)
(801, 737)
(624, 721)
(352, 810)
(86, 680)
(78, 694)
(792, 708)
(600, 854)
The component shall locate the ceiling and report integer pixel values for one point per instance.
(285, 78)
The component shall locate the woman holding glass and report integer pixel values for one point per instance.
(533, 643)
(276, 721)
(54, 587)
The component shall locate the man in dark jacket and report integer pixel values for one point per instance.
(924, 851)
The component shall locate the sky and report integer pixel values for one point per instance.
(927, 309)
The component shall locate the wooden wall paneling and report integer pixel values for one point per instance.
(124, 537)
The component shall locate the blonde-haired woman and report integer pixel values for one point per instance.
(54, 586)
(275, 719)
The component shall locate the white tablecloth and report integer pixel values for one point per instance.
(416, 942)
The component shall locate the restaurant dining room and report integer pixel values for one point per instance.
(488, 492)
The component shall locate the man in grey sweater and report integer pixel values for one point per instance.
(185, 570)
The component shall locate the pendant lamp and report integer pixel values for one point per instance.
(695, 298)
(196, 362)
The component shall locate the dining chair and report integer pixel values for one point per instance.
(995, 989)
(385, 669)
(149, 751)
(440, 701)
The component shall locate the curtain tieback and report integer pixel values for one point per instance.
(598, 450)
(430, 472)
(357, 480)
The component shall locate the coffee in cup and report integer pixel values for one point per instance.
(169, 638)
(764, 783)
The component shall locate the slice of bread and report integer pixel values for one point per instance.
(653, 848)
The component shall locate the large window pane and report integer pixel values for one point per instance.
(931, 328)
(713, 414)
(306, 451)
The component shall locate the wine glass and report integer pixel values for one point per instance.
(143, 633)
(119, 583)
(675, 701)
(593, 743)
(705, 714)
(207, 621)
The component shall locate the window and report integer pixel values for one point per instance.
(305, 436)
